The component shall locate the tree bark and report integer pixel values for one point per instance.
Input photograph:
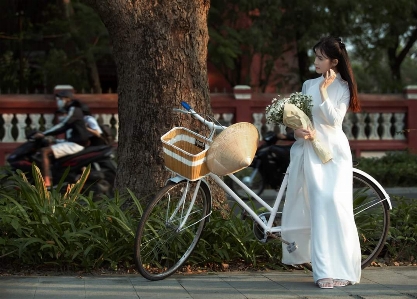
(160, 50)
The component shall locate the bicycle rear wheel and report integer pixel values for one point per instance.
(163, 240)
(372, 217)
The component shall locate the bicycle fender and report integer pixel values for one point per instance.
(179, 178)
(176, 179)
(376, 183)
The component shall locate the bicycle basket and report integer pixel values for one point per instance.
(185, 153)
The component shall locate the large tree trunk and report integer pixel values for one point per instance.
(160, 50)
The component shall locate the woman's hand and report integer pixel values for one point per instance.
(304, 134)
(329, 77)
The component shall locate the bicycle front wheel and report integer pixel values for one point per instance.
(170, 228)
(372, 217)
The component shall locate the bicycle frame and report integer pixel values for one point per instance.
(268, 228)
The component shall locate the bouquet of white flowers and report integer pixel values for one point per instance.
(295, 112)
(275, 111)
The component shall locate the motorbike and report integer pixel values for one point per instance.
(267, 168)
(102, 173)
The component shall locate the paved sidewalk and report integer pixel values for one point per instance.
(387, 282)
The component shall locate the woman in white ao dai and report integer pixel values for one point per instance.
(318, 212)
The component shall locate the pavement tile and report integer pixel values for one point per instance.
(168, 288)
(386, 282)
(18, 287)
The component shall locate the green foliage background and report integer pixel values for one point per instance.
(40, 47)
(395, 169)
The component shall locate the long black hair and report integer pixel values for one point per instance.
(334, 48)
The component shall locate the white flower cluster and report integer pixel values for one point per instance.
(275, 111)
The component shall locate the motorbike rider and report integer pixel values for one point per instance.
(74, 121)
(96, 133)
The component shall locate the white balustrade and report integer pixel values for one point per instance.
(360, 124)
(257, 121)
(269, 126)
(373, 126)
(15, 125)
(49, 118)
(348, 125)
(21, 127)
(282, 129)
(116, 127)
(35, 121)
(8, 126)
(106, 119)
(399, 126)
(227, 117)
(386, 126)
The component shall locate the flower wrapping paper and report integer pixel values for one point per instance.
(295, 118)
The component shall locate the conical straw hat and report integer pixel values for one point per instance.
(233, 149)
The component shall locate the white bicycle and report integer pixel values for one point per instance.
(173, 221)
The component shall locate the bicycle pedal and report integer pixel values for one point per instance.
(292, 247)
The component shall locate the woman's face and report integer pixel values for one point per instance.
(323, 63)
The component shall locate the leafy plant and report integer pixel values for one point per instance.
(401, 244)
(395, 169)
(68, 229)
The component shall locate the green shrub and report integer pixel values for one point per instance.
(72, 231)
(401, 243)
(395, 169)
(68, 230)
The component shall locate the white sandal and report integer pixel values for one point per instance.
(341, 282)
(325, 283)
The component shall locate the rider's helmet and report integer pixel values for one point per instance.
(64, 94)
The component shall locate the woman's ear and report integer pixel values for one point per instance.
(335, 62)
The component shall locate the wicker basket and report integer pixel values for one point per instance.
(185, 153)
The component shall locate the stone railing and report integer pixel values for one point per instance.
(372, 131)
(378, 128)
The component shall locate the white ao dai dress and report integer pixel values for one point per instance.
(318, 210)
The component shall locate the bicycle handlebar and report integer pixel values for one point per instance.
(186, 106)
(198, 117)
